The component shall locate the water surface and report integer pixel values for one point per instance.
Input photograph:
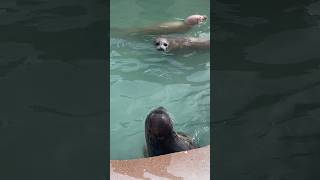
(142, 78)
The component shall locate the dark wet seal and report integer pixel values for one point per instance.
(160, 136)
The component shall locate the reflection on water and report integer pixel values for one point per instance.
(143, 78)
(266, 89)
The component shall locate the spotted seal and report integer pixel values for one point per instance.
(173, 43)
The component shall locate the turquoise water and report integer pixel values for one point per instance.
(142, 78)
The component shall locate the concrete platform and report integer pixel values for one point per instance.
(187, 165)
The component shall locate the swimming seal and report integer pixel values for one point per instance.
(177, 26)
(168, 44)
(174, 26)
(160, 136)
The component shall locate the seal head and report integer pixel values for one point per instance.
(159, 124)
(162, 44)
(161, 137)
(195, 19)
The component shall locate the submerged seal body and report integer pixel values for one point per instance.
(177, 26)
(160, 136)
(168, 44)
(174, 26)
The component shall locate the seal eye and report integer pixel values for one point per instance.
(165, 44)
(157, 43)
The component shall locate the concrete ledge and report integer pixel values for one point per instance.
(193, 164)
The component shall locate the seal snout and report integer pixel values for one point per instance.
(160, 49)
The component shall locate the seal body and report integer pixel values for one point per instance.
(177, 26)
(161, 137)
(163, 28)
(167, 43)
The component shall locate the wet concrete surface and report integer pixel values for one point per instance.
(193, 164)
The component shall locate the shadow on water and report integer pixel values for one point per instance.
(266, 89)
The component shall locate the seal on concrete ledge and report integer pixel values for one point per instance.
(173, 43)
(160, 136)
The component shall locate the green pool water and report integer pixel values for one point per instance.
(142, 78)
